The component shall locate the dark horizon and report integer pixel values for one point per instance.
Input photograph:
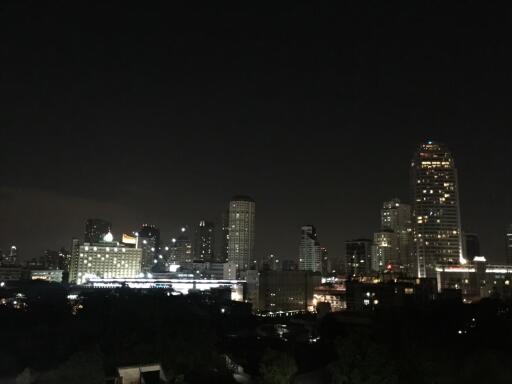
(161, 115)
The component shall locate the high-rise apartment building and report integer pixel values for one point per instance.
(358, 257)
(393, 243)
(436, 216)
(310, 254)
(242, 232)
(96, 229)
(204, 244)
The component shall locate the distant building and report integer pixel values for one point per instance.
(204, 246)
(242, 233)
(181, 248)
(326, 263)
(289, 265)
(509, 245)
(397, 217)
(148, 241)
(96, 229)
(286, 290)
(105, 259)
(471, 246)
(436, 216)
(11, 272)
(12, 257)
(358, 256)
(56, 259)
(333, 293)
(385, 251)
(224, 241)
(476, 280)
(310, 254)
(365, 296)
(272, 263)
(50, 275)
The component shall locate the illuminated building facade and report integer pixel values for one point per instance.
(397, 217)
(204, 245)
(385, 251)
(106, 259)
(242, 232)
(436, 217)
(476, 279)
(96, 229)
(310, 254)
(50, 275)
(358, 256)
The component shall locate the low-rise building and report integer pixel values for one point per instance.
(50, 275)
(285, 290)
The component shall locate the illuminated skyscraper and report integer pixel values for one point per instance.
(436, 215)
(241, 232)
(204, 241)
(310, 254)
(96, 229)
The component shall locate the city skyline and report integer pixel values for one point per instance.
(340, 252)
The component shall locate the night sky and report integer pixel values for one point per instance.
(160, 113)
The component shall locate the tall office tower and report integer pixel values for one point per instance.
(385, 251)
(509, 245)
(310, 255)
(242, 233)
(471, 246)
(148, 239)
(104, 259)
(204, 244)
(396, 216)
(358, 257)
(436, 216)
(181, 248)
(96, 229)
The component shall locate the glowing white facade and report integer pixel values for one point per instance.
(436, 216)
(103, 260)
(241, 232)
